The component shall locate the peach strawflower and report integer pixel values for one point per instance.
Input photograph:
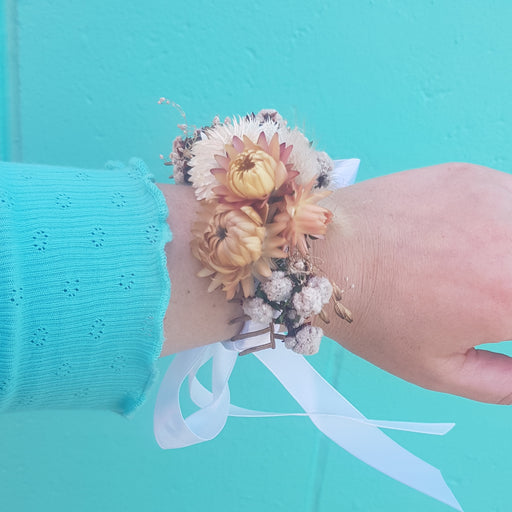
(303, 216)
(234, 246)
(252, 171)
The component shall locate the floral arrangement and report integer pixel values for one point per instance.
(258, 183)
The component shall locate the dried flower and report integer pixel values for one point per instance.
(293, 319)
(180, 157)
(303, 158)
(290, 342)
(303, 216)
(266, 115)
(255, 177)
(213, 139)
(234, 246)
(258, 310)
(323, 285)
(326, 166)
(252, 171)
(252, 174)
(213, 142)
(307, 302)
(306, 341)
(278, 287)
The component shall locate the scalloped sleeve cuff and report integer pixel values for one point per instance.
(83, 286)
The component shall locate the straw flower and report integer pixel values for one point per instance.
(303, 216)
(252, 174)
(250, 171)
(234, 246)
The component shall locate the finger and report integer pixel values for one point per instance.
(482, 375)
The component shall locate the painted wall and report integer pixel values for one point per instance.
(400, 84)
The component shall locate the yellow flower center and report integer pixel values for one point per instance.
(251, 174)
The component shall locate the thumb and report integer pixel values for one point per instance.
(481, 375)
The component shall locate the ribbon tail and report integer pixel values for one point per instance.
(436, 429)
(373, 447)
(364, 441)
(202, 396)
(170, 428)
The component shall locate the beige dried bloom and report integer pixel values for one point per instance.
(234, 246)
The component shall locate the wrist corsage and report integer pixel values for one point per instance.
(259, 183)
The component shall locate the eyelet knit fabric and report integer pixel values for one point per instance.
(83, 286)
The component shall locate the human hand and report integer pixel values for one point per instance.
(429, 252)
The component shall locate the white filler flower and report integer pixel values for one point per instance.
(278, 287)
(256, 308)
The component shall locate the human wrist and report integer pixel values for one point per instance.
(194, 317)
(258, 182)
(350, 256)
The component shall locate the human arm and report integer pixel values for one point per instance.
(83, 287)
(429, 252)
(194, 316)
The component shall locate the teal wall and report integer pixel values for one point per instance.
(4, 115)
(399, 84)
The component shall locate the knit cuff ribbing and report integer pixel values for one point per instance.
(83, 286)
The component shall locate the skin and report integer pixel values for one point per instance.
(429, 254)
(194, 317)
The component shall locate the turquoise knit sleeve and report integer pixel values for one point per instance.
(83, 286)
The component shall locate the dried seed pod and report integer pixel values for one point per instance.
(338, 293)
(324, 316)
(343, 312)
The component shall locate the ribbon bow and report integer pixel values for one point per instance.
(335, 416)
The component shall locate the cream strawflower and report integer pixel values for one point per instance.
(214, 139)
(303, 157)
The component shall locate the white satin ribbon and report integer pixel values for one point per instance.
(344, 173)
(326, 408)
